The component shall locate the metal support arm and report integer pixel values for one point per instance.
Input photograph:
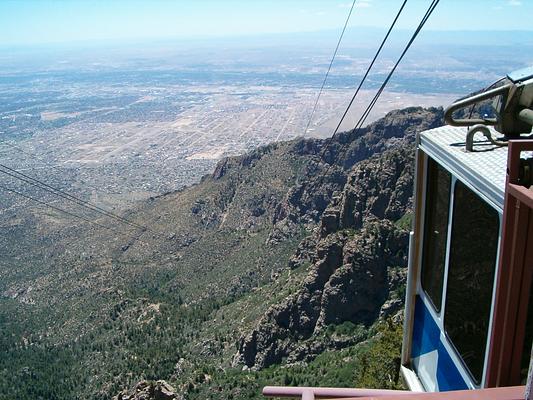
(448, 113)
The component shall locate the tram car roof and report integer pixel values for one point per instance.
(483, 169)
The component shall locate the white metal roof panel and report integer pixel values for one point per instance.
(483, 170)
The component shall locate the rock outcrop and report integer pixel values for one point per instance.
(328, 171)
(354, 255)
(144, 390)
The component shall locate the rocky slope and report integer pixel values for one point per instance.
(244, 279)
(356, 257)
(144, 390)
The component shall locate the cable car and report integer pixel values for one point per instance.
(468, 314)
(468, 322)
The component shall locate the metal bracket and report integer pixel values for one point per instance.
(460, 104)
(486, 132)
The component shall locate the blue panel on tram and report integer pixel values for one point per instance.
(433, 364)
(425, 331)
(448, 375)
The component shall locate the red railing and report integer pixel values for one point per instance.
(515, 272)
(312, 393)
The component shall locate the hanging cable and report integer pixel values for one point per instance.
(51, 206)
(389, 76)
(57, 208)
(18, 148)
(369, 68)
(329, 140)
(58, 192)
(360, 122)
(33, 155)
(329, 68)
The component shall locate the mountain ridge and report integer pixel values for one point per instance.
(256, 243)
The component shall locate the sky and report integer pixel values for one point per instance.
(31, 22)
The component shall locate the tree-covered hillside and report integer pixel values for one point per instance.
(284, 266)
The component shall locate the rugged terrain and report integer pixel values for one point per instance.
(282, 263)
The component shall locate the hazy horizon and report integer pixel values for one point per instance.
(30, 22)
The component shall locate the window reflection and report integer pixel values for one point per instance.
(472, 264)
(435, 231)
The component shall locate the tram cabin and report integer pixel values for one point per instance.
(468, 315)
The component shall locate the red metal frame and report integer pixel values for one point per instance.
(515, 272)
(311, 393)
(506, 393)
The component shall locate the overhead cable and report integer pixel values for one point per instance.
(389, 76)
(67, 196)
(369, 68)
(329, 68)
(57, 208)
(18, 148)
(360, 122)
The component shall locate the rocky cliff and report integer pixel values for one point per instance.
(144, 390)
(332, 160)
(340, 215)
(273, 269)
(357, 254)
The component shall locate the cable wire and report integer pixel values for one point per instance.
(376, 55)
(58, 209)
(18, 148)
(61, 210)
(389, 76)
(370, 66)
(329, 68)
(58, 192)
(371, 105)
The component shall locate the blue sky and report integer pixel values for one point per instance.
(49, 21)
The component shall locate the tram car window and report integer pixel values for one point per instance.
(472, 264)
(436, 231)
